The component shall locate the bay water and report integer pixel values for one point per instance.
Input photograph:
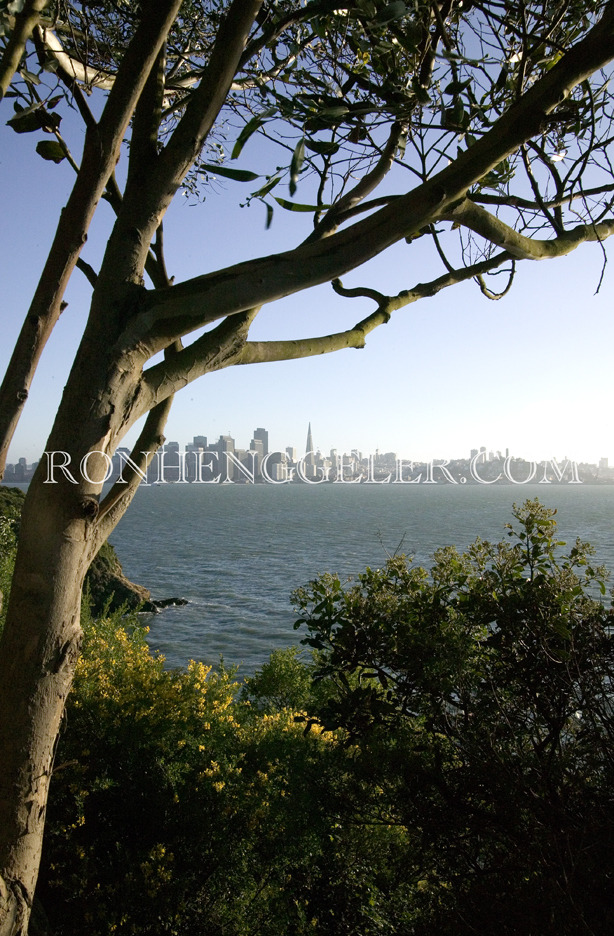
(236, 552)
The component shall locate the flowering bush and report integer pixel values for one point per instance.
(176, 808)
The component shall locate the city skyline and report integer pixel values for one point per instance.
(204, 460)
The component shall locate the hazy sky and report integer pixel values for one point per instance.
(531, 372)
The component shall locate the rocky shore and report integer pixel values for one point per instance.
(105, 583)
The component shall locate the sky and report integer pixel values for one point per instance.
(530, 373)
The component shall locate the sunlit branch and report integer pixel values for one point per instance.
(216, 349)
(118, 499)
(77, 70)
(481, 222)
(260, 352)
(66, 78)
(494, 296)
(513, 201)
(366, 206)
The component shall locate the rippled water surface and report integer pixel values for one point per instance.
(237, 551)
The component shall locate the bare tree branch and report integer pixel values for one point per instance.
(216, 349)
(494, 296)
(65, 77)
(513, 201)
(143, 210)
(227, 343)
(93, 78)
(146, 123)
(88, 271)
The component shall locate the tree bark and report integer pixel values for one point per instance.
(37, 658)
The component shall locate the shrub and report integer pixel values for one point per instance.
(176, 808)
(478, 700)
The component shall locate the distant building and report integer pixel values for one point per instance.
(278, 471)
(226, 444)
(257, 446)
(310, 458)
(262, 435)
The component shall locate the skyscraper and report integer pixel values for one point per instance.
(309, 447)
(310, 457)
(226, 443)
(262, 435)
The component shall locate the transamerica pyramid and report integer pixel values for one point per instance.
(310, 459)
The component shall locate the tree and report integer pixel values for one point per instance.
(498, 91)
(478, 700)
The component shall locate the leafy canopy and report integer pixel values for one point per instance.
(328, 84)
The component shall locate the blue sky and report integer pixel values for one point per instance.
(531, 372)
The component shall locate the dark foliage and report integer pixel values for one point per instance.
(478, 701)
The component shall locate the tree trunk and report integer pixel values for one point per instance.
(62, 528)
(40, 645)
(39, 650)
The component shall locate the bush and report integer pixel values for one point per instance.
(442, 765)
(284, 682)
(478, 700)
(176, 809)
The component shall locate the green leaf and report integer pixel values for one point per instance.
(411, 36)
(50, 149)
(322, 147)
(28, 120)
(393, 11)
(238, 175)
(267, 187)
(269, 215)
(295, 206)
(456, 87)
(339, 110)
(422, 95)
(298, 157)
(250, 127)
(29, 76)
(35, 117)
